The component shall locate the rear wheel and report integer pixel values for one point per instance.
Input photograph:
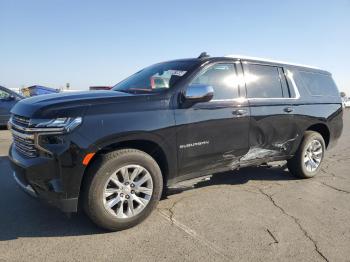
(124, 187)
(307, 161)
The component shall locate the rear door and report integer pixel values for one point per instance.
(273, 129)
(213, 135)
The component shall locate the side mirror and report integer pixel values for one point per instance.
(11, 97)
(198, 93)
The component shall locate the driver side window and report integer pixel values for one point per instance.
(223, 78)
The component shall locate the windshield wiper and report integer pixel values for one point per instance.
(135, 90)
(123, 91)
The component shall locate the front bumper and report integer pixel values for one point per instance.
(25, 187)
(40, 177)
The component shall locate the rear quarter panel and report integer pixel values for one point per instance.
(310, 110)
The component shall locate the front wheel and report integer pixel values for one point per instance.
(124, 187)
(307, 161)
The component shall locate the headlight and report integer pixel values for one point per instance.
(64, 123)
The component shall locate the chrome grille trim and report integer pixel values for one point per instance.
(28, 149)
(26, 152)
(29, 142)
(22, 135)
(25, 138)
(23, 121)
(23, 142)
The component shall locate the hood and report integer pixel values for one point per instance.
(64, 104)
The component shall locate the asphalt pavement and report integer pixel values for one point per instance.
(253, 214)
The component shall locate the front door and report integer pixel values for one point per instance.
(212, 136)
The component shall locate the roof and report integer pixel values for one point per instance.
(271, 61)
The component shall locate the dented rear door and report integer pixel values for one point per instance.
(273, 130)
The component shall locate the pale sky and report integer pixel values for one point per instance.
(89, 43)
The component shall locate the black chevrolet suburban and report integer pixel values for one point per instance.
(113, 152)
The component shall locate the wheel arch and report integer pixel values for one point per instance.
(150, 145)
(322, 129)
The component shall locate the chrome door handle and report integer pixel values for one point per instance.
(288, 109)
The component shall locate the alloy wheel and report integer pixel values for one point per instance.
(313, 155)
(128, 191)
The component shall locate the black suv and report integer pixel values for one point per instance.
(113, 152)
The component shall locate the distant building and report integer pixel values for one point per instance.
(38, 90)
(17, 90)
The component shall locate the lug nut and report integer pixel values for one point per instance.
(132, 185)
(132, 192)
(121, 194)
(127, 197)
(126, 183)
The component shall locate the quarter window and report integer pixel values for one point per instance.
(223, 78)
(262, 81)
(319, 84)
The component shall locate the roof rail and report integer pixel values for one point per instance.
(270, 60)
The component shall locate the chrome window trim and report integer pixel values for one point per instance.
(296, 90)
(242, 57)
(206, 66)
(289, 75)
(239, 99)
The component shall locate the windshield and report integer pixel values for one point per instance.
(156, 78)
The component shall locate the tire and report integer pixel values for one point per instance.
(99, 185)
(297, 165)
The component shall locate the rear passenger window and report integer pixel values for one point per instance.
(319, 84)
(262, 81)
(223, 78)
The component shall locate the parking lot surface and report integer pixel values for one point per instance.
(254, 214)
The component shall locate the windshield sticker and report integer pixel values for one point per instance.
(177, 72)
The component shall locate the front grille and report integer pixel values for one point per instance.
(24, 145)
(20, 120)
(22, 140)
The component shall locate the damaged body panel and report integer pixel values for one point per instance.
(271, 127)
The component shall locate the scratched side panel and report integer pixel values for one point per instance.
(273, 131)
